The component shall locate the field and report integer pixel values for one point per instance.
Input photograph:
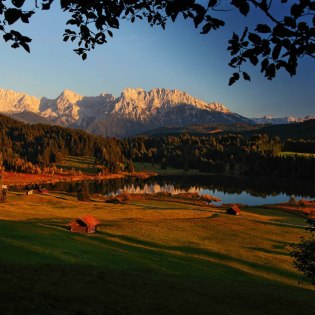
(156, 168)
(148, 257)
(84, 164)
(308, 155)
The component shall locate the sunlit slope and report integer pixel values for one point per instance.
(148, 257)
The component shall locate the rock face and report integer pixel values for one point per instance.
(280, 120)
(134, 111)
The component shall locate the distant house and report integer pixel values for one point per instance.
(86, 224)
(30, 192)
(42, 191)
(234, 210)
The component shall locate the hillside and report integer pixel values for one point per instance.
(303, 130)
(23, 146)
(148, 257)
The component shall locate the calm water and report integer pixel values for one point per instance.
(244, 190)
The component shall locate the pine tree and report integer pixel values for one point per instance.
(83, 192)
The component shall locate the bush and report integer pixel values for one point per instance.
(83, 192)
(304, 257)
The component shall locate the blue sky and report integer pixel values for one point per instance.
(140, 56)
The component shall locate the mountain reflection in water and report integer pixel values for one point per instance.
(231, 189)
(156, 188)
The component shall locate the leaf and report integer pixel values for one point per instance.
(206, 28)
(15, 45)
(246, 76)
(264, 64)
(18, 3)
(25, 39)
(212, 3)
(234, 78)
(253, 59)
(46, 6)
(263, 28)
(254, 38)
(84, 55)
(276, 51)
(12, 15)
(7, 37)
(25, 46)
(242, 5)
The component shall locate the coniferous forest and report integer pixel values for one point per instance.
(30, 148)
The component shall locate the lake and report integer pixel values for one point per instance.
(230, 189)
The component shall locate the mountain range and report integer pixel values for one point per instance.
(268, 119)
(135, 111)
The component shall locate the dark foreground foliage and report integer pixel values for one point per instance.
(284, 32)
(304, 254)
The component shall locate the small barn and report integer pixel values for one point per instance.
(42, 191)
(86, 224)
(234, 210)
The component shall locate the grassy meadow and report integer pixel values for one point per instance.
(156, 168)
(84, 164)
(148, 257)
(307, 155)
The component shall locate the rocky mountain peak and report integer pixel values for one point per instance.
(134, 111)
(69, 95)
(11, 101)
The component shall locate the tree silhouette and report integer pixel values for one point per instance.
(277, 44)
(304, 254)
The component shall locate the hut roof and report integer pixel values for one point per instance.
(89, 219)
(236, 209)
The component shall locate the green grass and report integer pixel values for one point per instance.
(308, 155)
(83, 163)
(156, 168)
(148, 257)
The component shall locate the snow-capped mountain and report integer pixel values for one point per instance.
(134, 111)
(268, 119)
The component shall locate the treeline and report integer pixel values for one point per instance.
(300, 146)
(229, 154)
(28, 148)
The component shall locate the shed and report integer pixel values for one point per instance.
(42, 191)
(234, 210)
(86, 224)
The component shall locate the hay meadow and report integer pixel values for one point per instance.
(148, 257)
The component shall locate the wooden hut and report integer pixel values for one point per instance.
(234, 210)
(86, 224)
(42, 191)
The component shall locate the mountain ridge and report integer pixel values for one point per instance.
(134, 111)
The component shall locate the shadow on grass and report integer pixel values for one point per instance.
(47, 271)
(140, 246)
(198, 253)
(268, 251)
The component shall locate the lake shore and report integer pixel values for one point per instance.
(15, 179)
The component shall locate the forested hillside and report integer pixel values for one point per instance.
(304, 130)
(25, 147)
(30, 148)
(229, 154)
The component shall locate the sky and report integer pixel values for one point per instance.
(139, 56)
